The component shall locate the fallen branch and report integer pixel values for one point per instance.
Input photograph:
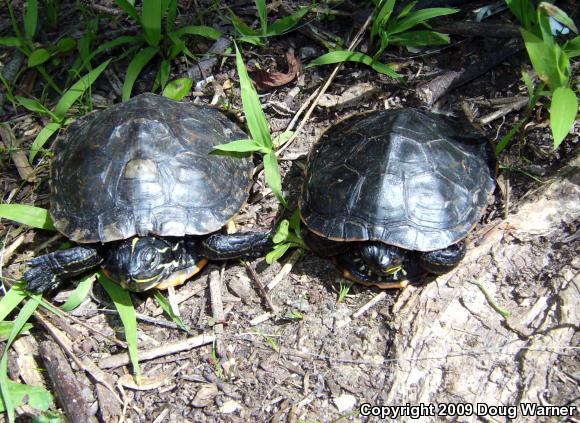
(122, 359)
(67, 387)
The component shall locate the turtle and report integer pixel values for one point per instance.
(137, 188)
(393, 187)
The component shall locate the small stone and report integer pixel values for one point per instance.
(229, 407)
(345, 402)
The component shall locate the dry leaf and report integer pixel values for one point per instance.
(205, 395)
(266, 80)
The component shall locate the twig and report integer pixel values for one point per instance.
(68, 389)
(122, 359)
(263, 290)
(376, 299)
(18, 156)
(285, 270)
(186, 293)
(144, 318)
(7, 253)
(201, 69)
(217, 309)
(519, 104)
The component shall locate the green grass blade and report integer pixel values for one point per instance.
(25, 313)
(10, 42)
(151, 21)
(350, 56)
(38, 57)
(79, 294)
(241, 27)
(164, 304)
(163, 73)
(241, 146)
(28, 215)
(545, 59)
(12, 298)
(203, 31)
(171, 14)
(263, 14)
(272, 174)
(178, 88)
(31, 19)
(524, 11)
(135, 67)
(382, 17)
(124, 39)
(77, 90)
(257, 122)
(42, 137)
(420, 39)
(32, 105)
(124, 306)
(420, 16)
(286, 23)
(562, 113)
(129, 9)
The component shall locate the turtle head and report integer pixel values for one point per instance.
(381, 258)
(141, 263)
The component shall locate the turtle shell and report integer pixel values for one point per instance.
(144, 167)
(404, 177)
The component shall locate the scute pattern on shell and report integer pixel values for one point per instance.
(404, 177)
(144, 167)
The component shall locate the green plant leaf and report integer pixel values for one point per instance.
(36, 397)
(563, 111)
(381, 18)
(248, 34)
(272, 176)
(77, 90)
(282, 232)
(164, 304)
(32, 105)
(35, 217)
(420, 16)
(66, 44)
(151, 17)
(41, 139)
(23, 316)
(277, 252)
(129, 9)
(256, 119)
(171, 15)
(31, 19)
(10, 42)
(549, 61)
(12, 298)
(282, 138)
(286, 23)
(178, 88)
(124, 306)
(524, 11)
(79, 294)
(263, 15)
(164, 70)
(38, 57)
(124, 39)
(572, 47)
(135, 67)
(6, 328)
(203, 31)
(339, 56)
(420, 39)
(241, 146)
(529, 83)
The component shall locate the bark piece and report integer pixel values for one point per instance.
(67, 388)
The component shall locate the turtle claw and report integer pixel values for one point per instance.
(39, 277)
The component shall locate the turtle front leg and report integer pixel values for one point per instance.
(234, 246)
(48, 271)
(442, 261)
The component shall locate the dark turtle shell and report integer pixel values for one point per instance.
(144, 167)
(404, 177)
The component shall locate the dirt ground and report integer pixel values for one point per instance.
(442, 343)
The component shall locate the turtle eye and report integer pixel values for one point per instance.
(149, 256)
